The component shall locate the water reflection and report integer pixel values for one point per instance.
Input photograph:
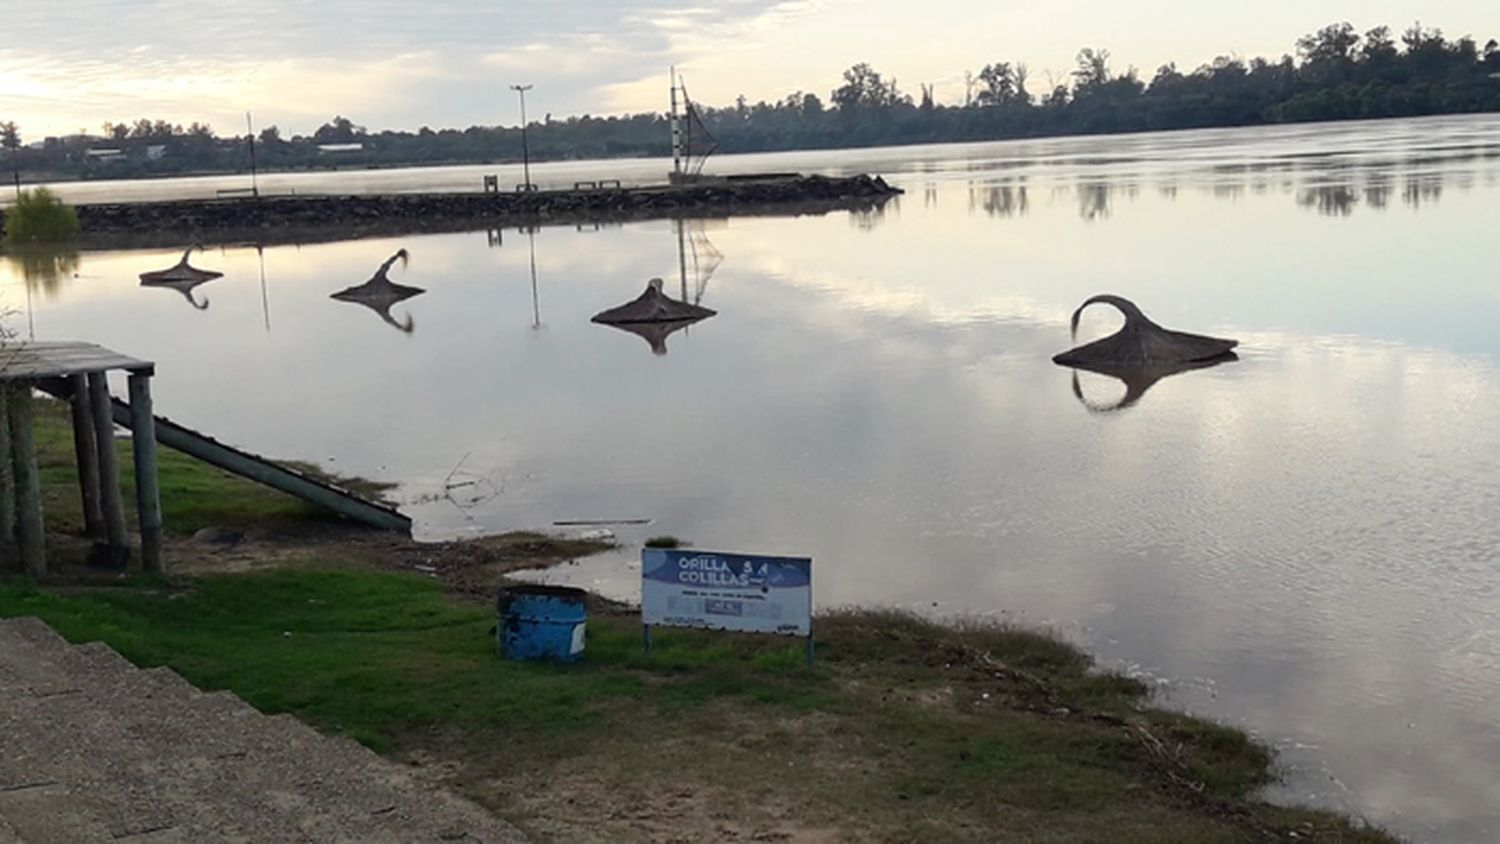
(870, 217)
(1330, 184)
(536, 297)
(1330, 200)
(1137, 380)
(697, 257)
(1005, 200)
(656, 333)
(1093, 200)
(380, 294)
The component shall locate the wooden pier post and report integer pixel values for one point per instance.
(85, 447)
(147, 493)
(28, 480)
(109, 470)
(7, 482)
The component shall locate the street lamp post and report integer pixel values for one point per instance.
(525, 150)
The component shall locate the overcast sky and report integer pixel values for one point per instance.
(72, 64)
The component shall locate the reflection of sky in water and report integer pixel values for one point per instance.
(1304, 540)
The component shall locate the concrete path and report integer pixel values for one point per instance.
(94, 749)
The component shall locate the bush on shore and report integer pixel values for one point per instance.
(39, 216)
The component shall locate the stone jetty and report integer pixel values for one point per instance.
(215, 219)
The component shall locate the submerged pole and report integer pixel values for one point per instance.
(254, 179)
(7, 480)
(30, 529)
(109, 469)
(86, 450)
(525, 148)
(147, 493)
(676, 129)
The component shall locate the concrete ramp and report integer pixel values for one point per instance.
(96, 749)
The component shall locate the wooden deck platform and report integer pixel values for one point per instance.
(83, 368)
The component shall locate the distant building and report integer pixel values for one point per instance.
(339, 149)
(104, 155)
(156, 152)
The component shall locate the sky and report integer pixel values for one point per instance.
(67, 65)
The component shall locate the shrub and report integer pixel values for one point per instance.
(40, 217)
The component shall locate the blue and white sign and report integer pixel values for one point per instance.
(710, 589)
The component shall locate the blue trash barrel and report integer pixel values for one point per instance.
(541, 622)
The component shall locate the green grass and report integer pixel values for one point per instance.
(904, 730)
(194, 495)
(664, 542)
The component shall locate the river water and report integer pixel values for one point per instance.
(1303, 542)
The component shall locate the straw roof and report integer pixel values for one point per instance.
(1140, 342)
(653, 306)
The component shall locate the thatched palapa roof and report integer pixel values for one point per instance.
(1140, 343)
(379, 294)
(653, 306)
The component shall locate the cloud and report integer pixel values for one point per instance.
(394, 63)
(63, 97)
(706, 39)
(591, 55)
(78, 63)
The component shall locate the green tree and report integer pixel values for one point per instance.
(997, 84)
(1335, 42)
(1092, 70)
(864, 89)
(10, 139)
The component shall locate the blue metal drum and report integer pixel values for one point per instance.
(541, 622)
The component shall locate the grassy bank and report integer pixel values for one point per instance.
(904, 730)
(194, 495)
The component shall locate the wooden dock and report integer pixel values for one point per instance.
(81, 372)
(78, 373)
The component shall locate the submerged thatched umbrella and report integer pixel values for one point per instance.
(654, 316)
(379, 294)
(1140, 343)
(1138, 379)
(653, 306)
(182, 277)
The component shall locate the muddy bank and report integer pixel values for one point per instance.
(273, 218)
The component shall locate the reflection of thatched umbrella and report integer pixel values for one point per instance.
(1138, 379)
(181, 277)
(655, 333)
(1140, 342)
(379, 294)
(653, 306)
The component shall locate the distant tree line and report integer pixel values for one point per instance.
(1336, 74)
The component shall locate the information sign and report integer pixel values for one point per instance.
(721, 591)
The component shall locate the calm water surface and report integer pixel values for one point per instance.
(1303, 542)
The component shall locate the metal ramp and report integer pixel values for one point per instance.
(270, 473)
